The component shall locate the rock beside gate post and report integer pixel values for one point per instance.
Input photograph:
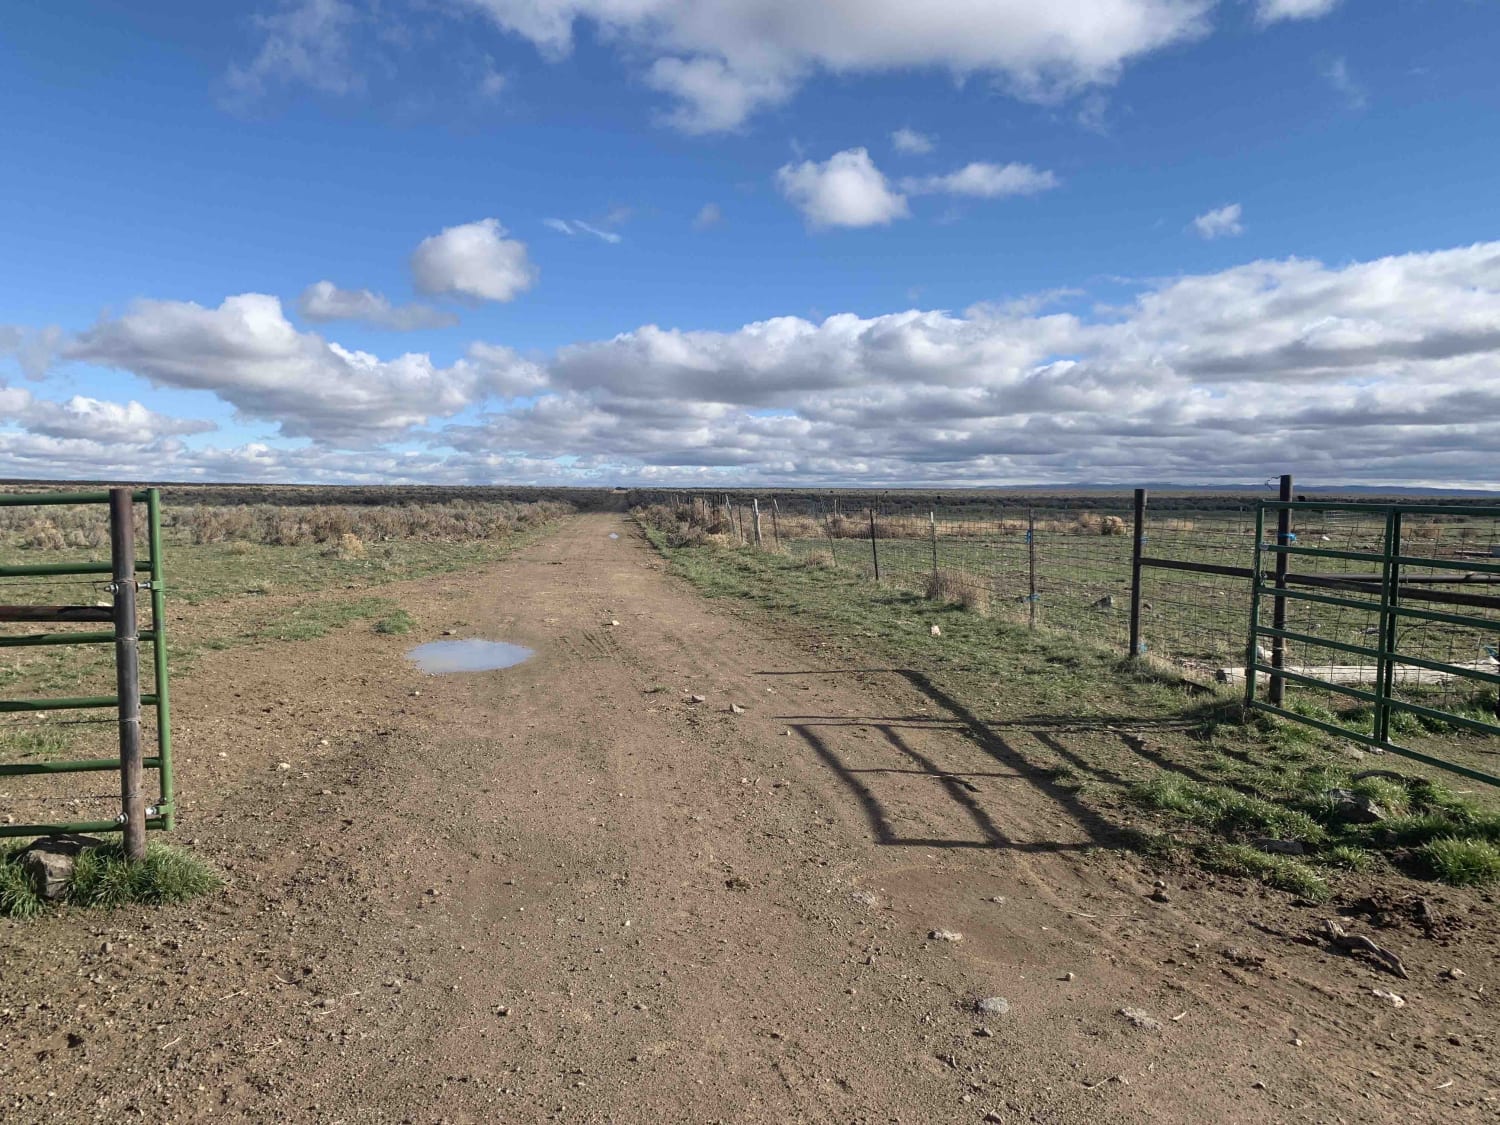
(48, 863)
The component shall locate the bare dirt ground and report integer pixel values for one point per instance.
(554, 893)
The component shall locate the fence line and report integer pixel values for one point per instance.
(1189, 589)
(1167, 583)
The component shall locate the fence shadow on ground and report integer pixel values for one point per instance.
(1050, 732)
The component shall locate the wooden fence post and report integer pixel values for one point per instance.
(776, 521)
(127, 670)
(759, 542)
(874, 550)
(932, 523)
(1136, 550)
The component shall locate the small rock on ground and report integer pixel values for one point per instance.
(992, 1006)
(1141, 1019)
(945, 935)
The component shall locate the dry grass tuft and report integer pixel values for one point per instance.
(957, 587)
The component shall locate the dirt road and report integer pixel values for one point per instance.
(564, 891)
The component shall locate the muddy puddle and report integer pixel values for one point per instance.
(438, 658)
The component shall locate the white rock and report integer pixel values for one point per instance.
(992, 1006)
(935, 631)
(945, 935)
(1394, 1000)
(1143, 1020)
(283, 765)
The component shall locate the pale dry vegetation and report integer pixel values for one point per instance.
(694, 525)
(956, 587)
(344, 530)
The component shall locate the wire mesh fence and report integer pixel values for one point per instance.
(1070, 568)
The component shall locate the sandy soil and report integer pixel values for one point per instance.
(554, 893)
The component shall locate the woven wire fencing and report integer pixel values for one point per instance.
(1197, 619)
(1062, 569)
(1069, 569)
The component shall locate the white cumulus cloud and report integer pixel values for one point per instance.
(474, 261)
(911, 142)
(323, 301)
(846, 190)
(248, 354)
(724, 59)
(92, 419)
(1380, 371)
(1222, 222)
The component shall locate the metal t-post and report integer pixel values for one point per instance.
(1278, 603)
(1031, 567)
(127, 670)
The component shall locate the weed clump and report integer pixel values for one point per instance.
(102, 877)
(1279, 871)
(1462, 862)
(397, 624)
(955, 587)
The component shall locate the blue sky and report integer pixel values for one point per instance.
(724, 241)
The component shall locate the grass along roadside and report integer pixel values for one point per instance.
(1171, 764)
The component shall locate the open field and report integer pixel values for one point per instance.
(569, 891)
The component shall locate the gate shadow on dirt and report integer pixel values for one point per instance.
(1048, 730)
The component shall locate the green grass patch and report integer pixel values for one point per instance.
(37, 740)
(1462, 862)
(1282, 872)
(102, 877)
(396, 624)
(1226, 811)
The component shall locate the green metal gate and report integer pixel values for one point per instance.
(124, 635)
(1387, 578)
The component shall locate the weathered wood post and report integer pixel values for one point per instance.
(874, 550)
(759, 542)
(127, 670)
(1136, 550)
(932, 525)
(1277, 690)
(776, 521)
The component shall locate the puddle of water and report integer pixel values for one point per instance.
(614, 535)
(438, 658)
